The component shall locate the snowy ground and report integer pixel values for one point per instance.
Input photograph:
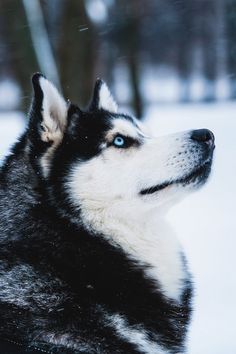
(205, 222)
(11, 126)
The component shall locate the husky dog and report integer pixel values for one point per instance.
(87, 261)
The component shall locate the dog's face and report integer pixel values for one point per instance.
(128, 166)
(104, 158)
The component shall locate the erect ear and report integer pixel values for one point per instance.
(49, 110)
(102, 98)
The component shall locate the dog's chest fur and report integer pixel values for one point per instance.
(147, 240)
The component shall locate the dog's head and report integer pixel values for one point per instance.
(98, 159)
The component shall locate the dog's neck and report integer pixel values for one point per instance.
(145, 238)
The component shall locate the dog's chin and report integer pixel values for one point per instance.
(195, 179)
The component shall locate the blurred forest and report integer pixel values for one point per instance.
(135, 45)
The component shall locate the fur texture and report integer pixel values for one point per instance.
(87, 261)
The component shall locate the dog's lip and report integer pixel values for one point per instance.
(184, 180)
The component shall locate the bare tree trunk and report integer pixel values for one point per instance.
(135, 80)
(231, 43)
(77, 52)
(40, 40)
(220, 34)
(130, 48)
(19, 60)
(209, 44)
(185, 48)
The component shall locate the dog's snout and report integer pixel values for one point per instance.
(203, 136)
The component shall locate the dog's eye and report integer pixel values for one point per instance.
(119, 141)
(123, 142)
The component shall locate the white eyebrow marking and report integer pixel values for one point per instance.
(125, 127)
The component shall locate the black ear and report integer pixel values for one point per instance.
(102, 98)
(49, 110)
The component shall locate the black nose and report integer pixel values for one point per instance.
(203, 136)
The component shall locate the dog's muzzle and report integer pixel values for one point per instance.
(205, 139)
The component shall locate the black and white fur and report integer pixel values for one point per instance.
(87, 261)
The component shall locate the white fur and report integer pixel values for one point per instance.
(106, 190)
(54, 113)
(18, 283)
(145, 238)
(66, 340)
(47, 157)
(124, 127)
(106, 101)
(135, 335)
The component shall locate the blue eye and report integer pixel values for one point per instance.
(119, 141)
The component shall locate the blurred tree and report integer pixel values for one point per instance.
(184, 44)
(40, 40)
(207, 19)
(92, 38)
(221, 35)
(19, 60)
(231, 43)
(77, 50)
(125, 34)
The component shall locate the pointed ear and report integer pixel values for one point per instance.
(102, 98)
(49, 110)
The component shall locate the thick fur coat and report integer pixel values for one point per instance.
(87, 261)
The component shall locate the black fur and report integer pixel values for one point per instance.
(66, 280)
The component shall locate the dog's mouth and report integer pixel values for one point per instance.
(197, 177)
